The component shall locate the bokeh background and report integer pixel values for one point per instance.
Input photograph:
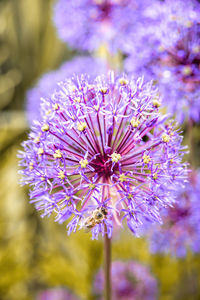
(36, 254)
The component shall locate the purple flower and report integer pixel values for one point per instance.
(87, 24)
(181, 228)
(171, 54)
(102, 154)
(130, 281)
(48, 83)
(56, 294)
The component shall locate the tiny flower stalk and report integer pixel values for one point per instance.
(103, 160)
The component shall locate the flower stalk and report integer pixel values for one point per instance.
(107, 267)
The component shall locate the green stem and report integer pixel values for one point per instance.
(107, 267)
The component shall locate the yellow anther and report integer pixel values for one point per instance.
(91, 186)
(57, 154)
(40, 151)
(115, 157)
(188, 24)
(135, 122)
(90, 86)
(165, 138)
(187, 70)
(48, 112)
(130, 196)
(161, 48)
(42, 178)
(196, 49)
(96, 107)
(155, 176)
(67, 198)
(30, 166)
(122, 177)
(61, 175)
(77, 99)
(104, 90)
(146, 158)
(81, 126)
(72, 88)
(37, 140)
(156, 103)
(123, 81)
(173, 17)
(83, 163)
(45, 127)
(56, 106)
(171, 161)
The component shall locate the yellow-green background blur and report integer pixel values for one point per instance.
(36, 253)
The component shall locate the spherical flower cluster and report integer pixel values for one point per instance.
(171, 54)
(130, 281)
(87, 24)
(102, 154)
(181, 228)
(49, 81)
(56, 294)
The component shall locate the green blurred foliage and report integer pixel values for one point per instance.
(36, 253)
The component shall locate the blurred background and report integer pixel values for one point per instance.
(36, 254)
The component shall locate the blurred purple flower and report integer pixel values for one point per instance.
(103, 153)
(168, 50)
(181, 229)
(130, 281)
(48, 83)
(56, 294)
(87, 24)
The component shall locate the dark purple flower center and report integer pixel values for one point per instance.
(103, 166)
(105, 10)
(129, 286)
(105, 7)
(177, 214)
(185, 56)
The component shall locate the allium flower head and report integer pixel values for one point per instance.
(87, 24)
(49, 81)
(181, 223)
(56, 294)
(130, 281)
(101, 154)
(171, 54)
